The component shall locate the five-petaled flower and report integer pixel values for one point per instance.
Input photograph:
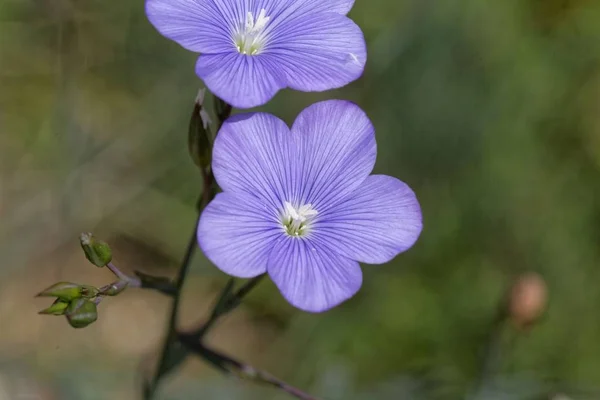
(301, 204)
(253, 48)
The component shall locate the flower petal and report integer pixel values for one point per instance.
(336, 6)
(236, 233)
(197, 25)
(251, 156)
(241, 80)
(379, 221)
(337, 151)
(318, 51)
(311, 276)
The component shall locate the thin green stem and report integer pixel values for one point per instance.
(491, 355)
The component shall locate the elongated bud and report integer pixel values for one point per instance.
(68, 291)
(59, 307)
(198, 133)
(81, 312)
(528, 299)
(114, 288)
(96, 251)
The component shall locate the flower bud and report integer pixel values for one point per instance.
(198, 134)
(96, 251)
(59, 307)
(68, 291)
(528, 300)
(81, 312)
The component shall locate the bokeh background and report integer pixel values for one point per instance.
(490, 110)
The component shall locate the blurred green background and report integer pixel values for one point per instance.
(489, 110)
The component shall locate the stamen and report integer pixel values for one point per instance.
(296, 221)
(249, 38)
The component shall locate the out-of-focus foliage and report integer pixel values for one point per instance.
(490, 110)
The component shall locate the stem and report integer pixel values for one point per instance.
(132, 281)
(174, 313)
(183, 270)
(223, 111)
(231, 365)
(492, 351)
(491, 354)
(208, 194)
(244, 290)
(225, 305)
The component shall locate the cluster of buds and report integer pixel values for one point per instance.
(79, 303)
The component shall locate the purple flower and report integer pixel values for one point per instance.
(300, 204)
(252, 48)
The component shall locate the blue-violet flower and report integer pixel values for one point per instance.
(301, 204)
(253, 48)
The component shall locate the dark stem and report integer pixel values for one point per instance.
(230, 365)
(226, 303)
(207, 193)
(174, 313)
(223, 111)
(171, 345)
(160, 283)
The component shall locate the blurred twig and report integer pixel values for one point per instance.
(229, 365)
(492, 350)
(170, 341)
(162, 284)
(227, 302)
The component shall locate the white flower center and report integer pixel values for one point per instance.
(249, 38)
(296, 221)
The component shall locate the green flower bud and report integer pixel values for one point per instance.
(81, 313)
(114, 288)
(68, 291)
(59, 307)
(96, 251)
